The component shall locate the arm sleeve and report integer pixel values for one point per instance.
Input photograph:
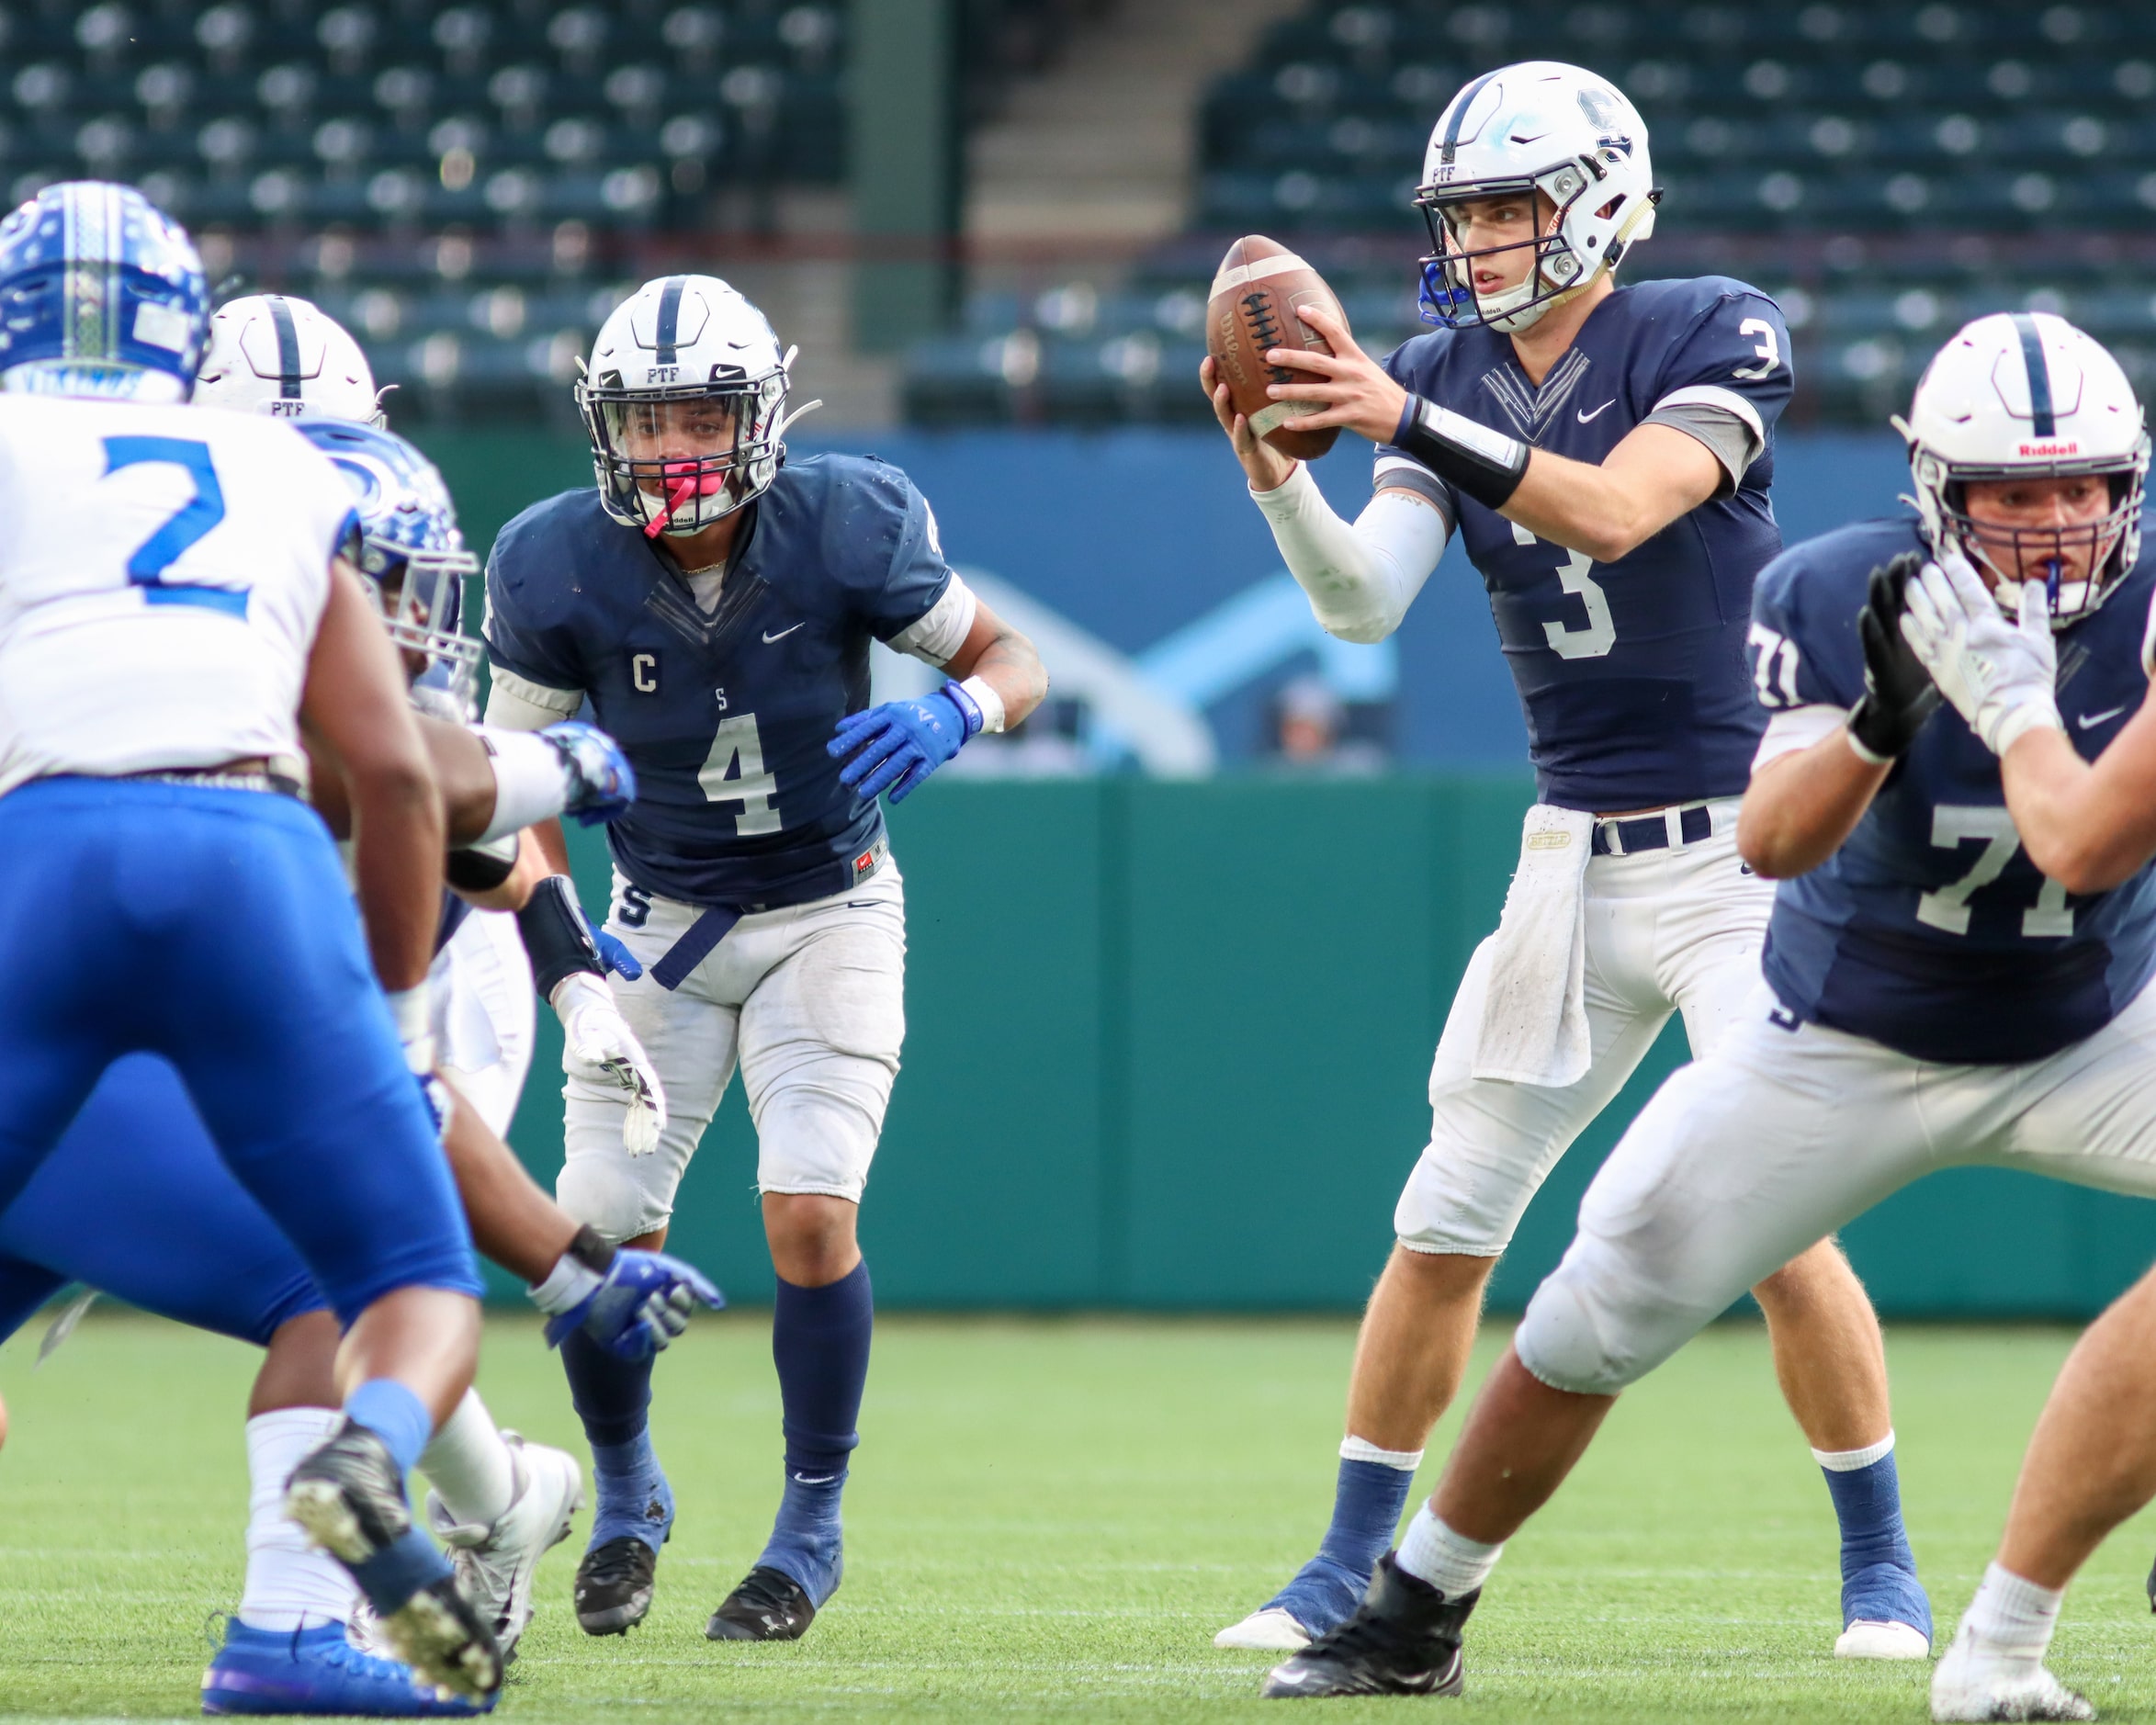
(516, 704)
(1361, 578)
(1726, 381)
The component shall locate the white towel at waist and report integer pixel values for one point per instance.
(1534, 1027)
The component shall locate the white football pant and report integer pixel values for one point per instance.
(1671, 930)
(1783, 1133)
(809, 1000)
(483, 1012)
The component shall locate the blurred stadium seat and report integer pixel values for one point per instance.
(1888, 170)
(470, 186)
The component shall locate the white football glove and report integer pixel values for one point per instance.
(2002, 677)
(596, 1035)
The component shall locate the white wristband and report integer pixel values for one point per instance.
(2038, 713)
(567, 1283)
(985, 698)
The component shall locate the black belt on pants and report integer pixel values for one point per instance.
(702, 936)
(1649, 832)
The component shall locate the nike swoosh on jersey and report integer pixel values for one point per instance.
(1585, 416)
(2088, 721)
(781, 634)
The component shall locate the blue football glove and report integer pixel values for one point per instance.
(603, 784)
(896, 746)
(615, 955)
(640, 1304)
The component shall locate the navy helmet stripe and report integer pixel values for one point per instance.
(2039, 376)
(1459, 119)
(670, 317)
(287, 333)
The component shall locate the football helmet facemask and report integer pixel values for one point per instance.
(1545, 127)
(2025, 395)
(684, 399)
(409, 546)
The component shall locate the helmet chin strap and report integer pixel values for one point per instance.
(1498, 310)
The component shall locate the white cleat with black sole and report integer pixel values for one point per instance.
(1271, 1630)
(497, 1565)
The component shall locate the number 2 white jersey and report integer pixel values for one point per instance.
(163, 573)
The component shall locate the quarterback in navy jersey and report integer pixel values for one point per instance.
(1925, 981)
(713, 604)
(1605, 453)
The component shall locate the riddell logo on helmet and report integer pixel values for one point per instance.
(2032, 451)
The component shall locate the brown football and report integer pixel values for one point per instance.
(1260, 287)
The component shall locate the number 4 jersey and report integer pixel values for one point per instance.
(1930, 930)
(724, 712)
(1631, 673)
(163, 573)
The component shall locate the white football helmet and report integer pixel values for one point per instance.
(685, 403)
(2022, 394)
(285, 357)
(1545, 127)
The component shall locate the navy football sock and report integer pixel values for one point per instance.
(613, 1398)
(819, 1339)
(1879, 1569)
(1367, 1501)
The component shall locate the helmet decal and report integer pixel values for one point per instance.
(667, 348)
(287, 333)
(2041, 421)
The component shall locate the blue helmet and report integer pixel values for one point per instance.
(409, 546)
(100, 294)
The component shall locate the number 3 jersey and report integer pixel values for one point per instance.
(163, 573)
(724, 713)
(1631, 673)
(1930, 930)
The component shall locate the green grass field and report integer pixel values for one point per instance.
(1049, 1519)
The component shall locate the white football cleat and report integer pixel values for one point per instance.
(1975, 1681)
(496, 1565)
(1271, 1630)
(1867, 1639)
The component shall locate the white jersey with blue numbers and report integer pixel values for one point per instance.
(724, 714)
(1930, 930)
(163, 573)
(1631, 673)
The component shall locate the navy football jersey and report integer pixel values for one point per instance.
(1930, 930)
(725, 714)
(1631, 674)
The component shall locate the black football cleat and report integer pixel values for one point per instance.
(614, 1586)
(349, 1498)
(1403, 1639)
(768, 1605)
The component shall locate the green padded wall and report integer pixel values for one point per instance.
(1166, 1048)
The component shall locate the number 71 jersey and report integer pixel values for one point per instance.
(1930, 930)
(724, 713)
(1631, 673)
(163, 573)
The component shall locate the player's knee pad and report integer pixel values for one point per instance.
(1593, 1329)
(816, 1130)
(620, 1195)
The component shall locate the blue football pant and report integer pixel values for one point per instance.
(136, 1202)
(213, 927)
